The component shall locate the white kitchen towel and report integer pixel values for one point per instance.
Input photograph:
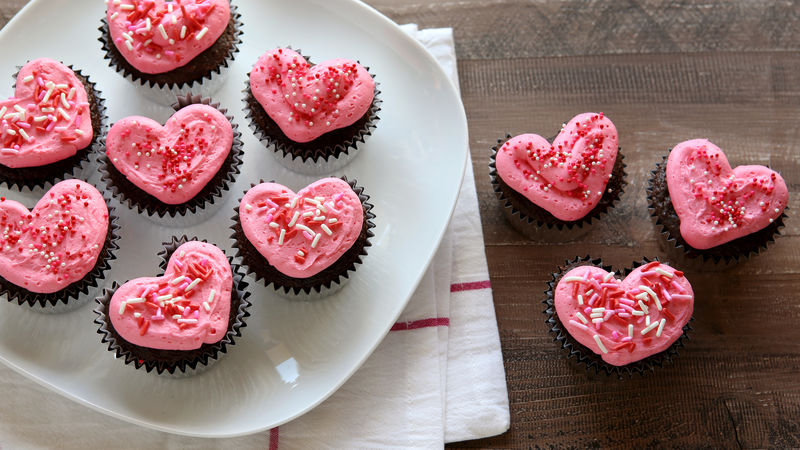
(437, 377)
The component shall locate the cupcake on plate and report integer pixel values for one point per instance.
(175, 172)
(304, 243)
(182, 321)
(52, 255)
(707, 209)
(312, 115)
(50, 126)
(547, 186)
(171, 47)
(619, 326)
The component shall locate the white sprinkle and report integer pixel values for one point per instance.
(206, 307)
(127, 7)
(300, 253)
(114, 16)
(600, 344)
(211, 296)
(248, 207)
(176, 316)
(582, 317)
(609, 276)
(580, 299)
(637, 313)
(64, 114)
(128, 44)
(177, 280)
(164, 298)
(24, 134)
(326, 229)
(652, 294)
(663, 272)
(47, 95)
(193, 284)
(644, 307)
(28, 79)
(64, 101)
(280, 238)
(575, 279)
(187, 320)
(201, 33)
(308, 214)
(274, 225)
(183, 253)
(597, 320)
(135, 300)
(183, 31)
(71, 94)
(316, 240)
(294, 219)
(595, 315)
(647, 321)
(305, 228)
(598, 310)
(650, 328)
(137, 315)
(660, 327)
(630, 330)
(163, 31)
(332, 221)
(122, 306)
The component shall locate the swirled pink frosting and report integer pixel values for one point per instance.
(174, 162)
(568, 177)
(58, 242)
(156, 36)
(717, 204)
(47, 120)
(627, 320)
(185, 308)
(308, 101)
(302, 234)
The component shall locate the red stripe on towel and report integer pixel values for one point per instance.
(458, 287)
(424, 323)
(273, 439)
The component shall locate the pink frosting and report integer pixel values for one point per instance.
(156, 36)
(174, 162)
(187, 307)
(665, 294)
(568, 177)
(309, 101)
(57, 243)
(47, 120)
(319, 224)
(717, 204)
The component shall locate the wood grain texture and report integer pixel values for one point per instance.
(664, 71)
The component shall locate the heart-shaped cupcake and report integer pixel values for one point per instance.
(58, 242)
(156, 36)
(624, 321)
(185, 308)
(47, 120)
(308, 101)
(174, 162)
(717, 204)
(302, 234)
(568, 177)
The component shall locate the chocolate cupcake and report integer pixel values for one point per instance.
(548, 187)
(174, 173)
(171, 48)
(52, 256)
(619, 327)
(181, 322)
(312, 116)
(706, 209)
(304, 244)
(51, 126)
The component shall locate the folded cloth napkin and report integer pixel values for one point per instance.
(437, 377)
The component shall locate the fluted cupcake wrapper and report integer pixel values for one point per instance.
(536, 223)
(198, 208)
(75, 166)
(326, 282)
(165, 92)
(720, 257)
(585, 356)
(176, 363)
(77, 293)
(324, 155)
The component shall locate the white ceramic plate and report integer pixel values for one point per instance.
(292, 355)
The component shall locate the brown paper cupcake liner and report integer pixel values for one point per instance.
(77, 293)
(585, 356)
(201, 70)
(320, 285)
(325, 154)
(666, 220)
(198, 207)
(73, 166)
(176, 363)
(536, 222)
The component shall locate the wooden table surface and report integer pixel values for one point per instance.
(664, 71)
